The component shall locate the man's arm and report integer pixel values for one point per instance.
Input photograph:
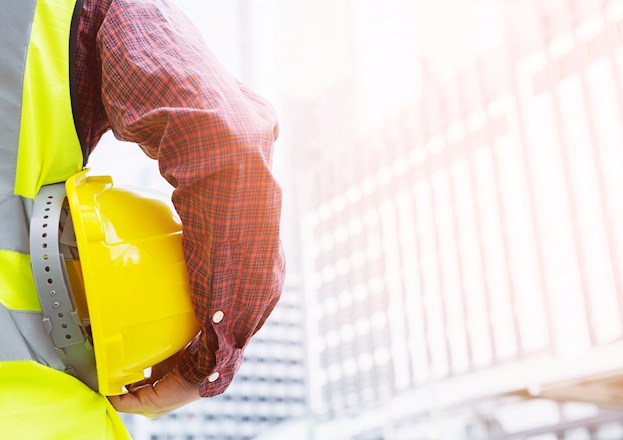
(213, 139)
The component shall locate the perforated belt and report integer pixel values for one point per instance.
(48, 266)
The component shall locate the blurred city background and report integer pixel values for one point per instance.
(453, 220)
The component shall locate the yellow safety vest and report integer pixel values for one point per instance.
(39, 145)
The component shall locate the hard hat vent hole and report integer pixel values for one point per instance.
(47, 268)
(46, 217)
(64, 325)
(45, 257)
(47, 209)
(60, 315)
(50, 280)
(68, 336)
(45, 234)
(50, 197)
(44, 245)
(45, 225)
(48, 203)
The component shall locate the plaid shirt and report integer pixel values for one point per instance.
(142, 70)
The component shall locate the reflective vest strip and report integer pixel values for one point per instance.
(23, 338)
(38, 141)
(16, 26)
(38, 145)
(17, 287)
(49, 149)
(15, 212)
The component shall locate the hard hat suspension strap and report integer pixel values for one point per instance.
(48, 265)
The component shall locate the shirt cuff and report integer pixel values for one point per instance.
(212, 371)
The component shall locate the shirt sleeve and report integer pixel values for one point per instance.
(213, 139)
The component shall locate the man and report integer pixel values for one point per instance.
(141, 69)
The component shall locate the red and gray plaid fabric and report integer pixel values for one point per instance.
(143, 71)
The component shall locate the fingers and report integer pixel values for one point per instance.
(160, 370)
(157, 372)
(146, 381)
(140, 400)
(157, 399)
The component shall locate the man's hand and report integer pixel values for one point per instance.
(155, 397)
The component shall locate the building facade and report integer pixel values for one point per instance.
(465, 254)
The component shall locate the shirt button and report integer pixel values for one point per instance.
(218, 317)
(212, 377)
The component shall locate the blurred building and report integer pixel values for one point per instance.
(464, 254)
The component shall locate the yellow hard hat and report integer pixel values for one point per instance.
(135, 278)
